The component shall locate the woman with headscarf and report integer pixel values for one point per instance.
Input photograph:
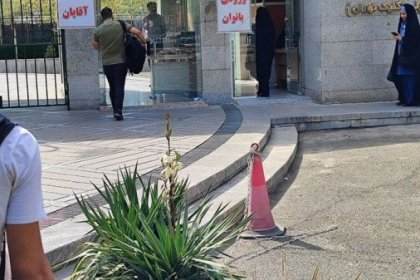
(264, 50)
(406, 61)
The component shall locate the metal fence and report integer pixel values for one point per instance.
(31, 55)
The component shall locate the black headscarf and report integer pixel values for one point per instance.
(411, 41)
(412, 35)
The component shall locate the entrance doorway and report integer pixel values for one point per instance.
(172, 71)
(285, 69)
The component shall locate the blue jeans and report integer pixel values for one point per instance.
(116, 74)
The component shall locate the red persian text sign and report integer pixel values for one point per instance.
(233, 15)
(76, 14)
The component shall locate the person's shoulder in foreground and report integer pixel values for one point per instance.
(20, 179)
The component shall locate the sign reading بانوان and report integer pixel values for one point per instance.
(76, 14)
(372, 8)
(234, 15)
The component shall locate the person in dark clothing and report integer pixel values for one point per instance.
(281, 40)
(109, 40)
(406, 61)
(264, 50)
(155, 26)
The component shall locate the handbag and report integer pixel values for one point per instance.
(390, 77)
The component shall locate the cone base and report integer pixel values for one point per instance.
(275, 232)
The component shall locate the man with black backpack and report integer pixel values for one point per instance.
(21, 204)
(109, 39)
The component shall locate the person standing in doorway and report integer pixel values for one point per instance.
(406, 61)
(21, 205)
(155, 29)
(264, 50)
(154, 26)
(109, 39)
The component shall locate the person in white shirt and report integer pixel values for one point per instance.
(21, 205)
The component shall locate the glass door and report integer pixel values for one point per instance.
(244, 70)
(176, 54)
(285, 58)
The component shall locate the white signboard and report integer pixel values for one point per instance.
(76, 14)
(234, 15)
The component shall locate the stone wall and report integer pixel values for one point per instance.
(216, 56)
(355, 53)
(312, 46)
(82, 70)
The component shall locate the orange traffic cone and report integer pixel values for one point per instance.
(262, 222)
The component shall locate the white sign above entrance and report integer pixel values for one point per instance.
(76, 14)
(234, 15)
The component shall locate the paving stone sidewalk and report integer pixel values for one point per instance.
(79, 147)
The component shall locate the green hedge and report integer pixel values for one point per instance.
(29, 51)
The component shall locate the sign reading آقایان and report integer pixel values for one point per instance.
(372, 8)
(76, 14)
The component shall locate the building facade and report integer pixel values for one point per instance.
(332, 51)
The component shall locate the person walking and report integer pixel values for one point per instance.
(109, 39)
(21, 204)
(406, 60)
(264, 50)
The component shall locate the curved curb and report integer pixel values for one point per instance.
(63, 239)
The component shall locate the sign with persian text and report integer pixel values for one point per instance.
(374, 8)
(234, 15)
(76, 14)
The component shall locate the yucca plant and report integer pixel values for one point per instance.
(155, 235)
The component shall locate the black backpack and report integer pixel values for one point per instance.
(5, 127)
(135, 53)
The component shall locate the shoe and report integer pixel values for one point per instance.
(400, 103)
(118, 117)
(152, 96)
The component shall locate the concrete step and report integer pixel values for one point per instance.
(218, 171)
(225, 162)
(224, 169)
(278, 155)
(211, 171)
(338, 116)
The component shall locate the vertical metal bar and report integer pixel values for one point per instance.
(5, 58)
(7, 64)
(15, 44)
(31, 40)
(1, 42)
(44, 59)
(36, 80)
(46, 80)
(64, 68)
(54, 44)
(24, 52)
